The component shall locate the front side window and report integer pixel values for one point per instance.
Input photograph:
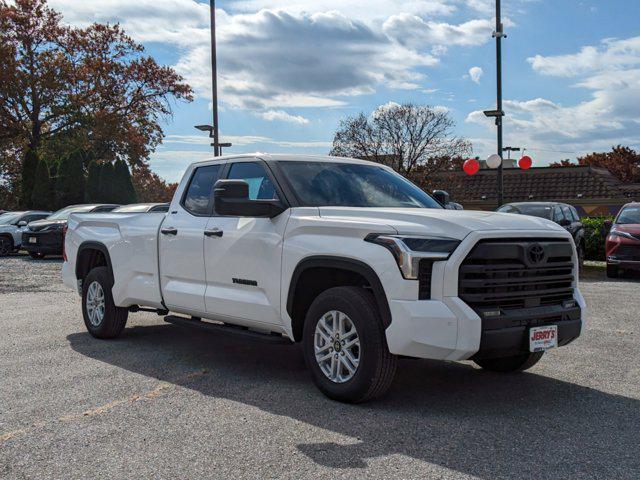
(567, 213)
(260, 185)
(198, 196)
(557, 215)
(319, 184)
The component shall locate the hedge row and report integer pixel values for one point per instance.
(595, 234)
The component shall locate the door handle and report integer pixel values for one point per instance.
(169, 231)
(213, 233)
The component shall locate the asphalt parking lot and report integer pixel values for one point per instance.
(164, 402)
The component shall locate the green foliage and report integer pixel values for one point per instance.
(595, 234)
(29, 167)
(125, 192)
(42, 194)
(70, 184)
(106, 184)
(93, 183)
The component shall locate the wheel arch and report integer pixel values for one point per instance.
(92, 254)
(343, 271)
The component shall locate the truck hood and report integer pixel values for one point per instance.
(8, 228)
(39, 225)
(440, 222)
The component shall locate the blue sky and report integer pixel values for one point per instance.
(290, 70)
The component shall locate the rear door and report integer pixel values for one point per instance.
(181, 243)
(243, 256)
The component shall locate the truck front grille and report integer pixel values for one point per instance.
(517, 273)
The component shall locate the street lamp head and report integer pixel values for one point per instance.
(204, 128)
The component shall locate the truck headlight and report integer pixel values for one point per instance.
(408, 250)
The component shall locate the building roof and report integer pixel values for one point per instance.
(536, 184)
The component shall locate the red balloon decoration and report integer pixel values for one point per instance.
(525, 163)
(471, 166)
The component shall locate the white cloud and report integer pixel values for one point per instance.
(414, 31)
(282, 116)
(610, 115)
(475, 74)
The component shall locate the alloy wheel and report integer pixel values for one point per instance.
(337, 346)
(95, 304)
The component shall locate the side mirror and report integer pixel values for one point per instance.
(21, 223)
(441, 197)
(231, 198)
(564, 222)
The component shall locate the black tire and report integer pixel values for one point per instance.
(519, 363)
(37, 255)
(115, 318)
(612, 271)
(377, 366)
(6, 246)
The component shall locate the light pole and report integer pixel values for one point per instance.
(217, 147)
(498, 113)
(214, 132)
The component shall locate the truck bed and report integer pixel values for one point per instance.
(132, 242)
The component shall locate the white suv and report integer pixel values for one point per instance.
(11, 227)
(345, 256)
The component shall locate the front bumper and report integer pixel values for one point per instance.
(46, 242)
(446, 328)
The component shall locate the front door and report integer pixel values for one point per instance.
(243, 255)
(182, 271)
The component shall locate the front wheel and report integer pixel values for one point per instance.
(6, 246)
(101, 317)
(518, 363)
(345, 347)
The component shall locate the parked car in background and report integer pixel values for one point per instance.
(143, 208)
(563, 214)
(11, 227)
(45, 237)
(623, 241)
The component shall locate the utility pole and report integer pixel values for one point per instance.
(214, 80)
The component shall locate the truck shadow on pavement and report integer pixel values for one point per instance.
(449, 414)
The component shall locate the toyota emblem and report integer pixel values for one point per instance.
(536, 253)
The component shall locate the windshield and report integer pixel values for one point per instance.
(542, 211)
(7, 218)
(65, 212)
(319, 184)
(629, 215)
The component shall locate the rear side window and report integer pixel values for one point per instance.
(260, 185)
(198, 196)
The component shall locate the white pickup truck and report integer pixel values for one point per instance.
(345, 256)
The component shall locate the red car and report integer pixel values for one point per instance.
(623, 241)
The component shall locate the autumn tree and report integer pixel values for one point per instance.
(106, 191)
(403, 137)
(622, 162)
(150, 187)
(64, 87)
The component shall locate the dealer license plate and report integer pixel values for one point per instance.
(33, 240)
(543, 338)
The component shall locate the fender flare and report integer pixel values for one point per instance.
(91, 245)
(343, 263)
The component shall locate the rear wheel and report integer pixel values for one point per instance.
(6, 246)
(612, 271)
(345, 347)
(101, 317)
(36, 255)
(518, 363)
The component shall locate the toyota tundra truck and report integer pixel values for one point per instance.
(344, 256)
